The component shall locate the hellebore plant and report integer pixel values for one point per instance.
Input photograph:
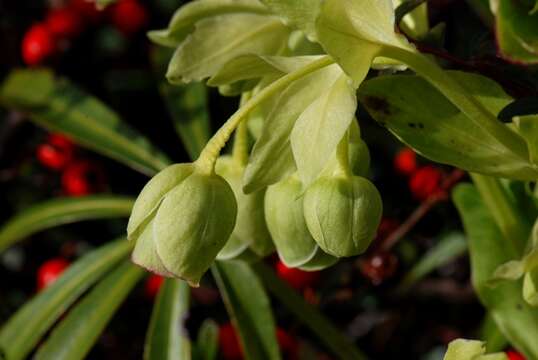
(301, 69)
(307, 104)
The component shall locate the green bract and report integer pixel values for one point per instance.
(183, 21)
(285, 219)
(218, 39)
(527, 268)
(272, 159)
(355, 31)
(180, 221)
(342, 214)
(250, 229)
(461, 349)
(321, 126)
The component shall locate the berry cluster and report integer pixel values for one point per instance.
(63, 24)
(78, 176)
(424, 181)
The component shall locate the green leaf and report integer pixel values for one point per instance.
(310, 316)
(26, 327)
(249, 309)
(517, 31)
(272, 159)
(62, 107)
(217, 40)
(183, 21)
(166, 337)
(449, 247)
(519, 107)
(528, 128)
(419, 115)
(320, 127)
(354, 31)
(75, 335)
(248, 67)
(517, 320)
(61, 211)
(298, 13)
(207, 342)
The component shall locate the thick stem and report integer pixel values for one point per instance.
(506, 215)
(208, 156)
(240, 146)
(460, 97)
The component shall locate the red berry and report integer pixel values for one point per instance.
(129, 16)
(82, 178)
(152, 285)
(87, 10)
(49, 271)
(56, 153)
(378, 267)
(288, 344)
(229, 343)
(296, 278)
(514, 355)
(64, 23)
(405, 161)
(425, 182)
(37, 45)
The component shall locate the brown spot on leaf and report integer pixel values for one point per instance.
(378, 105)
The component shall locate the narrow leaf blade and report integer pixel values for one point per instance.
(62, 107)
(24, 329)
(61, 211)
(249, 308)
(165, 338)
(73, 338)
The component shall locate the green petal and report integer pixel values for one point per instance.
(285, 219)
(152, 194)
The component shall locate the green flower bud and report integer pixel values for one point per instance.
(180, 221)
(250, 230)
(342, 214)
(285, 219)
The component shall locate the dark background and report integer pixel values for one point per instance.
(118, 71)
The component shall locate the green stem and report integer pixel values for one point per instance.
(240, 146)
(460, 97)
(502, 209)
(208, 156)
(342, 156)
(326, 332)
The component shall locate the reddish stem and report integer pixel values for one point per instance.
(439, 196)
